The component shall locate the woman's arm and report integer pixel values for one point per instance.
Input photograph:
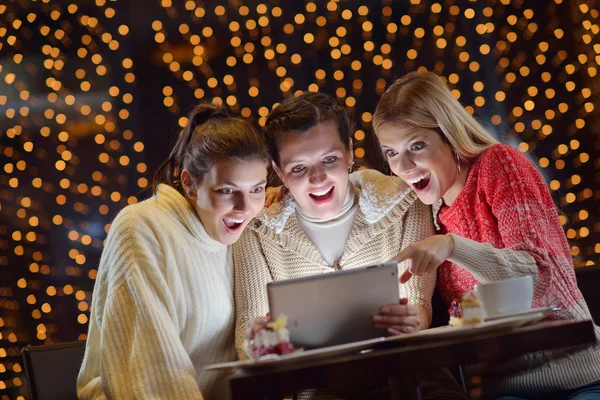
(251, 273)
(418, 225)
(415, 293)
(133, 347)
(486, 263)
(528, 224)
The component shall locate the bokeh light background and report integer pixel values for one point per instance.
(92, 94)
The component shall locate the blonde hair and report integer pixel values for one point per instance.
(422, 99)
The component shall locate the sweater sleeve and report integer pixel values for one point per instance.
(418, 289)
(527, 222)
(251, 274)
(133, 348)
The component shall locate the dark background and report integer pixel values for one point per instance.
(92, 95)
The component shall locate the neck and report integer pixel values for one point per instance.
(176, 205)
(459, 183)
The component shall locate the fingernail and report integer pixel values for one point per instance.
(385, 310)
(377, 318)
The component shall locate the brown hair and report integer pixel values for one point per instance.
(299, 114)
(422, 99)
(210, 135)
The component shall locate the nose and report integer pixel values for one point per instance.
(242, 203)
(403, 164)
(317, 175)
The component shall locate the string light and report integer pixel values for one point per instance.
(71, 156)
(55, 199)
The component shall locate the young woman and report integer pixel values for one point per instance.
(163, 301)
(496, 220)
(326, 223)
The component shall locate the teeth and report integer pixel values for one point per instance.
(233, 221)
(321, 192)
(412, 181)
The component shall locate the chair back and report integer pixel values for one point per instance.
(52, 370)
(588, 280)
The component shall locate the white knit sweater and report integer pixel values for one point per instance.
(274, 247)
(162, 307)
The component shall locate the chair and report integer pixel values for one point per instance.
(52, 370)
(588, 280)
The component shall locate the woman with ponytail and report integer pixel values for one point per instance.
(162, 306)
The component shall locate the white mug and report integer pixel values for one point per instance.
(510, 296)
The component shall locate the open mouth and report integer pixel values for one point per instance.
(233, 225)
(420, 183)
(322, 195)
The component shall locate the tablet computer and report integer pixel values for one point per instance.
(334, 308)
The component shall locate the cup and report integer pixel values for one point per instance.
(510, 296)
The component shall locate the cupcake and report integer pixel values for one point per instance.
(467, 311)
(265, 337)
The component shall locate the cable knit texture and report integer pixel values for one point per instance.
(162, 307)
(274, 247)
(505, 225)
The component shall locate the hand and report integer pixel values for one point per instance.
(397, 318)
(274, 194)
(426, 256)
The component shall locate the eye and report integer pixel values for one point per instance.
(390, 153)
(330, 160)
(297, 170)
(257, 190)
(417, 146)
(225, 191)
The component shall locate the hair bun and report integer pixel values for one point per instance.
(203, 113)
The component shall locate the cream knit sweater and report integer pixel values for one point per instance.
(162, 307)
(274, 247)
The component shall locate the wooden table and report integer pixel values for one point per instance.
(401, 363)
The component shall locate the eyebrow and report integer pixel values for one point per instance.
(331, 150)
(263, 182)
(410, 139)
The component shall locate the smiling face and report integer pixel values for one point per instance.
(230, 194)
(314, 166)
(423, 160)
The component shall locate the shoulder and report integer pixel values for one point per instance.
(503, 169)
(374, 182)
(501, 157)
(248, 238)
(381, 194)
(137, 225)
(276, 215)
(135, 216)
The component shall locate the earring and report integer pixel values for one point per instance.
(350, 166)
(458, 161)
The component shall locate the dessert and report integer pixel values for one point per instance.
(467, 311)
(265, 337)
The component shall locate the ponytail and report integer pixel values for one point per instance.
(209, 135)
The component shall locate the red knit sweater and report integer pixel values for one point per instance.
(505, 202)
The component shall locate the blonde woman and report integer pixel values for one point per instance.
(495, 220)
